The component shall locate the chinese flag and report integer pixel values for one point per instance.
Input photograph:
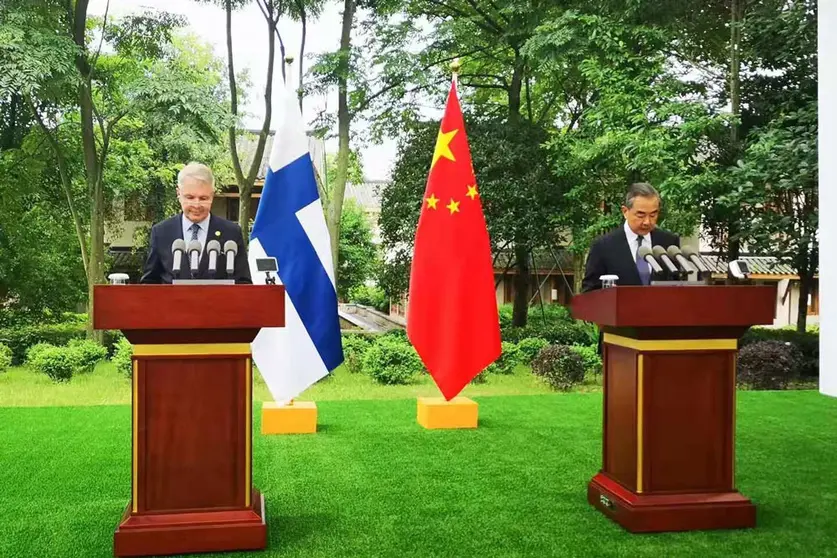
(452, 318)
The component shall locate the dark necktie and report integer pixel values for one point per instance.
(641, 264)
(195, 228)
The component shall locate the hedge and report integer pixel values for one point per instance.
(19, 339)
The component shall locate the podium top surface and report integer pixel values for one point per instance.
(188, 307)
(677, 306)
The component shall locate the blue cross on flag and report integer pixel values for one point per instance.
(291, 227)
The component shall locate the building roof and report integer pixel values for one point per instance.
(544, 262)
(367, 194)
(247, 142)
(759, 265)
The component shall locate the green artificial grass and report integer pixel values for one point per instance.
(372, 482)
(24, 387)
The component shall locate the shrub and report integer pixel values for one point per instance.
(86, 354)
(590, 356)
(768, 365)
(551, 313)
(528, 349)
(508, 359)
(55, 362)
(562, 333)
(559, 366)
(482, 377)
(34, 351)
(369, 296)
(807, 344)
(19, 339)
(5, 357)
(354, 345)
(122, 357)
(391, 361)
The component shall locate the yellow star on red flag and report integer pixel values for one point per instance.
(443, 146)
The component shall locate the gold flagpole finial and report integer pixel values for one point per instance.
(289, 59)
(455, 66)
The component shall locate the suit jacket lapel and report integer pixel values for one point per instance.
(627, 259)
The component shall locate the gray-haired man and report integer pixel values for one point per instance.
(616, 252)
(195, 192)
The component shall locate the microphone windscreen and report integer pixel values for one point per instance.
(658, 251)
(178, 244)
(673, 251)
(688, 251)
(231, 246)
(194, 245)
(213, 246)
(644, 251)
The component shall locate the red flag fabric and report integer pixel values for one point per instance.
(452, 318)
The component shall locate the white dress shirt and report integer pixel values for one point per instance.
(632, 236)
(202, 232)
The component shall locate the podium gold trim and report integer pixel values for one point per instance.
(671, 345)
(187, 349)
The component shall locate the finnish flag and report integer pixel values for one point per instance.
(290, 226)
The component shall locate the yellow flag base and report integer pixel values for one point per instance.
(435, 413)
(297, 417)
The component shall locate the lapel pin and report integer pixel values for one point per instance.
(217, 233)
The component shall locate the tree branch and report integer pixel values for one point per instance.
(486, 17)
(65, 181)
(484, 86)
(396, 83)
(102, 38)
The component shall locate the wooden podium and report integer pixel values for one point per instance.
(669, 403)
(191, 488)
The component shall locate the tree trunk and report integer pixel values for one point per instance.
(92, 165)
(520, 310)
(579, 261)
(338, 188)
(304, 18)
(245, 183)
(805, 282)
(736, 16)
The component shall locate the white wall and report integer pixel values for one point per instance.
(828, 195)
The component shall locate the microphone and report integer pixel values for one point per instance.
(675, 254)
(194, 253)
(661, 255)
(177, 249)
(230, 250)
(646, 254)
(695, 258)
(213, 249)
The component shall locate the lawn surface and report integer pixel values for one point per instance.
(23, 386)
(372, 482)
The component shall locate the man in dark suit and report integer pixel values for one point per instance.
(195, 192)
(616, 252)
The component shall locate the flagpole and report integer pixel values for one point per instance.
(455, 66)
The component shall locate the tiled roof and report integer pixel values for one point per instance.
(247, 142)
(366, 195)
(127, 259)
(759, 265)
(543, 261)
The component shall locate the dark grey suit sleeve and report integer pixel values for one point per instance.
(152, 271)
(594, 269)
(242, 266)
